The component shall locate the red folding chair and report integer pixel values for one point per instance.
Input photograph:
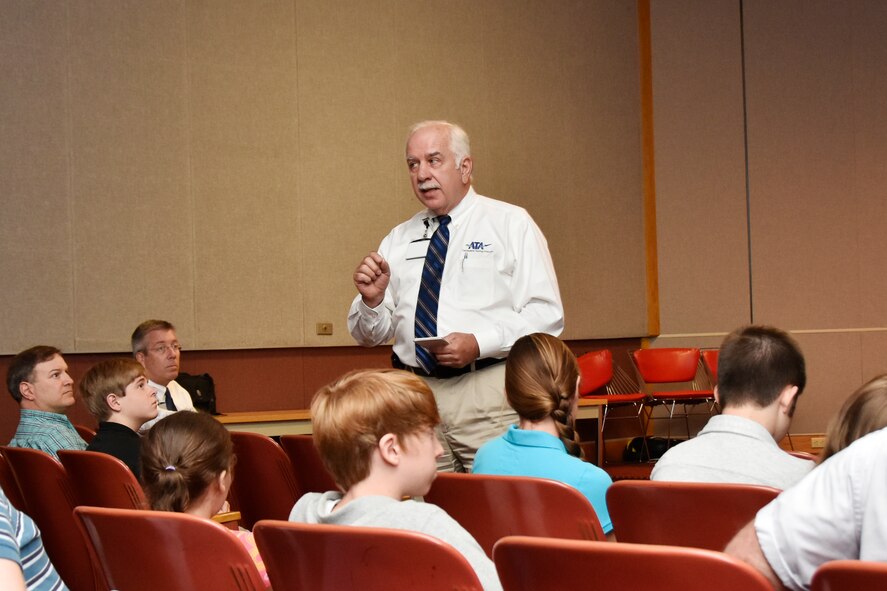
(540, 564)
(696, 514)
(710, 363)
(151, 550)
(491, 507)
(672, 366)
(311, 557)
(86, 433)
(264, 483)
(619, 391)
(840, 575)
(50, 499)
(311, 474)
(101, 480)
(10, 486)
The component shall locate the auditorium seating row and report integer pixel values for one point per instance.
(541, 534)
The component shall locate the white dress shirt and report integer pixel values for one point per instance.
(837, 512)
(180, 397)
(498, 283)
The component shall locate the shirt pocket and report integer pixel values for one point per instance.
(476, 279)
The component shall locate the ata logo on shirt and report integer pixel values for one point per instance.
(477, 246)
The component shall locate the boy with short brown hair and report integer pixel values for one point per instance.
(117, 393)
(375, 431)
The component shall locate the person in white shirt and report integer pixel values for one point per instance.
(156, 346)
(497, 284)
(837, 512)
(761, 374)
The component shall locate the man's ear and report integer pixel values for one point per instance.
(140, 357)
(26, 390)
(717, 396)
(389, 449)
(786, 397)
(465, 169)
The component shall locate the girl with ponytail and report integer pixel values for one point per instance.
(542, 386)
(187, 463)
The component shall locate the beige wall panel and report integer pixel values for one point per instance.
(149, 28)
(128, 115)
(833, 372)
(133, 256)
(874, 356)
(216, 144)
(32, 23)
(709, 340)
(350, 153)
(869, 111)
(700, 166)
(562, 138)
(229, 32)
(802, 165)
(129, 176)
(247, 247)
(35, 229)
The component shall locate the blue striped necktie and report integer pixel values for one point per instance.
(429, 290)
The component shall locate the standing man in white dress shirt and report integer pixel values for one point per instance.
(493, 283)
(156, 346)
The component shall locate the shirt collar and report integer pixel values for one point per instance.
(526, 438)
(45, 415)
(458, 212)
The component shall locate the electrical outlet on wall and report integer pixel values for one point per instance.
(324, 328)
(817, 442)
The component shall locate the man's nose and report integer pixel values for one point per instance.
(424, 171)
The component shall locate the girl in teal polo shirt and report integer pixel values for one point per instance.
(541, 384)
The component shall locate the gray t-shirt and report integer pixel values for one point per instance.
(731, 449)
(379, 511)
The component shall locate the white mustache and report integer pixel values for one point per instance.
(428, 185)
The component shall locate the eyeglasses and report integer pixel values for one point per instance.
(164, 349)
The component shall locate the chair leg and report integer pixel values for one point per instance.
(791, 443)
(646, 448)
(668, 429)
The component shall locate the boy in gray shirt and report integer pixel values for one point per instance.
(375, 430)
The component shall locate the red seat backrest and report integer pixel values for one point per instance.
(311, 557)
(101, 480)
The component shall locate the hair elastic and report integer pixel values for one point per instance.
(170, 468)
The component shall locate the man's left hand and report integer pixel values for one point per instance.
(460, 350)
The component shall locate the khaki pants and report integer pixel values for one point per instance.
(473, 409)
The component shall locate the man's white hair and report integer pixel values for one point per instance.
(459, 144)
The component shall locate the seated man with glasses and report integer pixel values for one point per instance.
(156, 347)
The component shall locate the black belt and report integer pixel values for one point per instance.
(442, 372)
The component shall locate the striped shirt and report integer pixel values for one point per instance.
(21, 543)
(246, 538)
(46, 431)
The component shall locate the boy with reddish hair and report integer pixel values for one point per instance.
(375, 431)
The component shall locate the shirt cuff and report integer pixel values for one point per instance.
(366, 310)
(488, 343)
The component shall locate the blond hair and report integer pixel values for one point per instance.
(864, 412)
(350, 415)
(111, 376)
(541, 374)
